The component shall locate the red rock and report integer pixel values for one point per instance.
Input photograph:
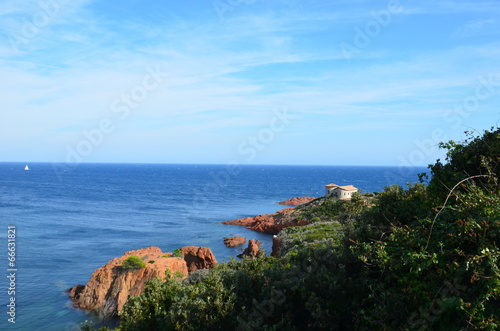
(296, 201)
(270, 223)
(198, 257)
(234, 241)
(110, 286)
(253, 249)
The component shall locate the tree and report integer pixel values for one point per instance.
(133, 262)
(476, 156)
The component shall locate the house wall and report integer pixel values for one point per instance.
(347, 194)
(330, 191)
(338, 193)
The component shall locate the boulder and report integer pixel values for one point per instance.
(198, 257)
(253, 249)
(110, 286)
(234, 241)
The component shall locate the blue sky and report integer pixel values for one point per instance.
(248, 81)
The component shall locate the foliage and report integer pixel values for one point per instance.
(332, 209)
(133, 262)
(178, 274)
(149, 311)
(397, 206)
(296, 238)
(177, 253)
(477, 155)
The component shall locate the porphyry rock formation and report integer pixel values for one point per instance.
(296, 201)
(270, 223)
(234, 241)
(198, 257)
(111, 285)
(252, 250)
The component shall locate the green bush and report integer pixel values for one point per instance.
(177, 253)
(133, 262)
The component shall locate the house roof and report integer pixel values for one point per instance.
(348, 188)
(345, 188)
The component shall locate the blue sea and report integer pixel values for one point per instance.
(70, 221)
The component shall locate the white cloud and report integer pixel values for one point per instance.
(224, 80)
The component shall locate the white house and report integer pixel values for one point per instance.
(340, 192)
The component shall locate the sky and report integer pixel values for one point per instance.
(245, 81)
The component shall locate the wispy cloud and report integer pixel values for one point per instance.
(477, 28)
(224, 78)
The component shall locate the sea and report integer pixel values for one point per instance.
(71, 219)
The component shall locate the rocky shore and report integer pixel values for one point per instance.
(110, 286)
(296, 201)
(275, 222)
(267, 223)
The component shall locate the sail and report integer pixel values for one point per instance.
(26, 168)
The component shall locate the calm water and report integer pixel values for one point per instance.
(71, 221)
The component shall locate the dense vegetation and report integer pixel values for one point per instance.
(133, 262)
(423, 257)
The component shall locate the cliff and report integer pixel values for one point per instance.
(110, 286)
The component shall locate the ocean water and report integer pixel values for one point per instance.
(70, 221)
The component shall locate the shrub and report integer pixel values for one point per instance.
(133, 262)
(151, 261)
(177, 253)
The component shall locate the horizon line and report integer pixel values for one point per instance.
(219, 164)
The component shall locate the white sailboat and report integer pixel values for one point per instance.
(26, 168)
